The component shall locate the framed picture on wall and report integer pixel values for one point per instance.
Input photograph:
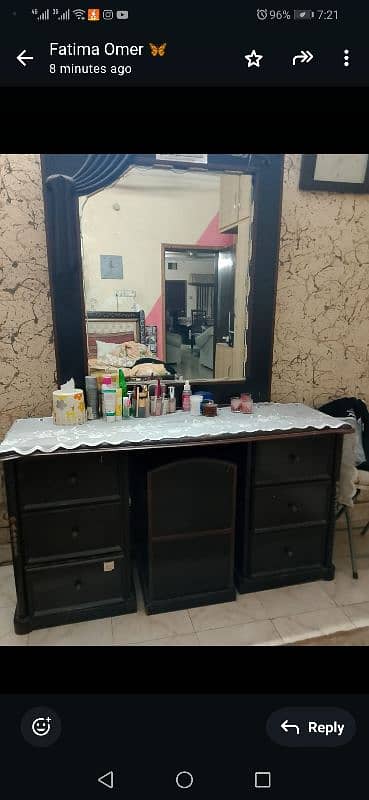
(111, 267)
(335, 172)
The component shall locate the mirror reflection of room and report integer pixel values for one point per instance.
(175, 246)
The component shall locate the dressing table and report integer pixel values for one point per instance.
(202, 506)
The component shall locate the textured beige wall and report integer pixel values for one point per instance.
(321, 344)
(27, 361)
(322, 323)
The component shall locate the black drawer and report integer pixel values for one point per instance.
(276, 506)
(82, 530)
(293, 459)
(46, 481)
(77, 585)
(287, 550)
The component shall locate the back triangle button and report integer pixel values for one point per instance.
(107, 780)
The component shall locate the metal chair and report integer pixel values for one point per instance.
(353, 488)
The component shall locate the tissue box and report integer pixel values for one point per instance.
(69, 407)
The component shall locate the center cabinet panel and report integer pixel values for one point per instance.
(191, 496)
(186, 506)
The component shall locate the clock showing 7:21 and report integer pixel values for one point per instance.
(295, 15)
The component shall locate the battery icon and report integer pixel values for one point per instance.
(304, 14)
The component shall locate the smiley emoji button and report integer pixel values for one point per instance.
(41, 727)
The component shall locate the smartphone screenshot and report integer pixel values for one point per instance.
(184, 746)
(196, 45)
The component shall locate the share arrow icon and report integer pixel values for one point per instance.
(305, 56)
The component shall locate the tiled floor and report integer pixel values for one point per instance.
(271, 617)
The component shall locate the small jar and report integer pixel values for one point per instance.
(210, 409)
(246, 404)
(235, 404)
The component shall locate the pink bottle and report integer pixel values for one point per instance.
(186, 397)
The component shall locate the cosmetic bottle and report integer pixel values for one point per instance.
(92, 397)
(109, 403)
(126, 409)
(118, 403)
(142, 402)
(158, 401)
(186, 397)
(106, 384)
(122, 383)
(131, 408)
(172, 400)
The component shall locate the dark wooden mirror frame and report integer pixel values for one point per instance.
(66, 177)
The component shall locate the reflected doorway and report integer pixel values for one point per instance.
(194, 314)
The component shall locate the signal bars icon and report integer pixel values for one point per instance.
(41, 16)
(62, 16)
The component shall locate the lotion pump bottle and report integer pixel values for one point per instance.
(186, 397)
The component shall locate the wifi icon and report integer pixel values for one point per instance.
(79, 13)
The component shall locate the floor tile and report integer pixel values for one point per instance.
(7, 635)
(254, 633)
(92, 633)
(247, 608)
(358, 614)
(189, 640)
(7, 587)
(344, 590)
(141, 627)
(289, 600)
(312, 623)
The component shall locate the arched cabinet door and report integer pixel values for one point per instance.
(191, 509)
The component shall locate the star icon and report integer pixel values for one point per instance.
(253, 60)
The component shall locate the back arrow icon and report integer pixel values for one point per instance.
(304, 57)
(286, 726)
(22, 58)
(107, 780)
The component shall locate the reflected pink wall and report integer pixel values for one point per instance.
(155, 317)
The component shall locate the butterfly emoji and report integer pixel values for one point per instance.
(157, 50)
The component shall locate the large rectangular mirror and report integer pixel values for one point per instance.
(175, 245)
(165, 265)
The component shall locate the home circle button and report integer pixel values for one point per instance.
(184, 780)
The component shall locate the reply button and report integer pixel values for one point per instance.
(311, 727)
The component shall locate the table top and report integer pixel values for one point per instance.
(41, 435)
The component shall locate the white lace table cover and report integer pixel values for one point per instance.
(41, 435)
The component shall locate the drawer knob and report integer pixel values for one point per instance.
(75, 533)
(293, 507)
(72, 480)
(77, 585)
(294, 458)
(288, 552)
